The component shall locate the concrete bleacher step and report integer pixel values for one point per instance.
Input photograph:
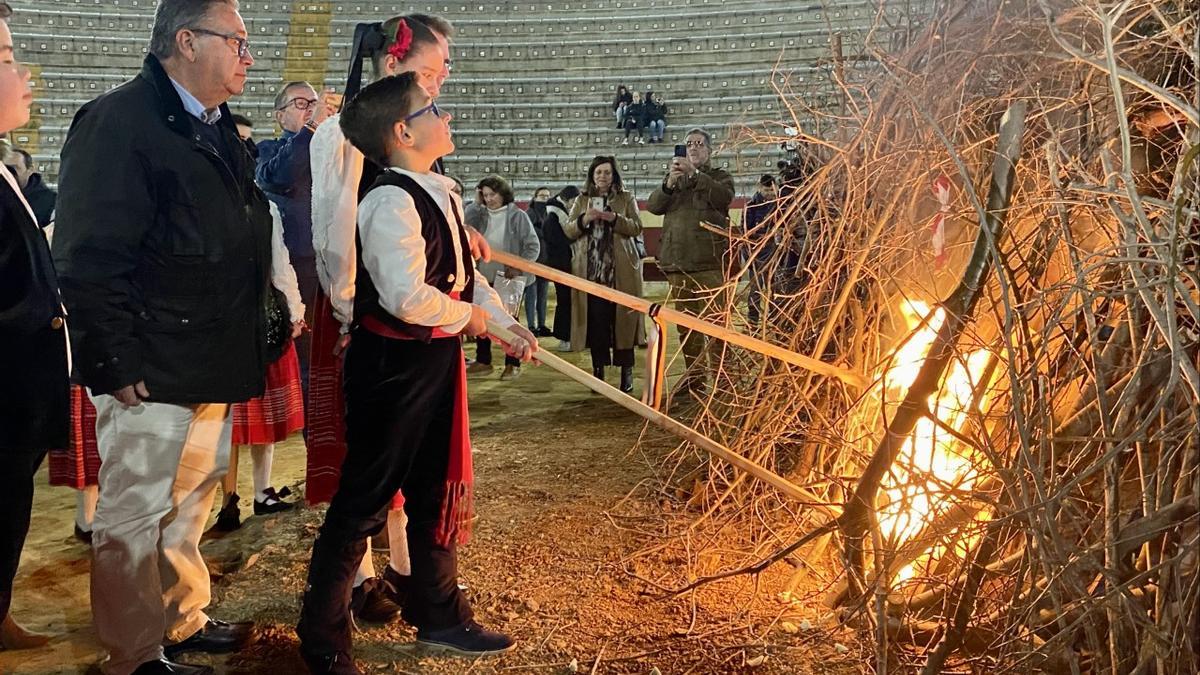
(532, 82)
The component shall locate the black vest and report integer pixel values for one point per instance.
(440, 264)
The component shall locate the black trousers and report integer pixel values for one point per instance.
(602, 334)
(483, 353)
(562, 311)
(399, 407)
(16, 501)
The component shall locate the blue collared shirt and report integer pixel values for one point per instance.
(194, 107)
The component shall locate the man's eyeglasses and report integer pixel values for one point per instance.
(431, 108)
(299, 103)
(697, 144)
(243, 45)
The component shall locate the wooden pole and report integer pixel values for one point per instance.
(679, 429)
(856, 380)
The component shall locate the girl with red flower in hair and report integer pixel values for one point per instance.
(416, 44)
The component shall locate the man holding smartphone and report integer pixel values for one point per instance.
(693, 257)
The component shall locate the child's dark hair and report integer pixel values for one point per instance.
(370, 117)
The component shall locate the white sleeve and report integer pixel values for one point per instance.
(283, 276)
(336, 172)
(394, 255)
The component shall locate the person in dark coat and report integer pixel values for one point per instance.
(39, 195)
(163, 246)
(558, 256)
(758, 224)
(33, 349)
(536, 292)
(284, 174)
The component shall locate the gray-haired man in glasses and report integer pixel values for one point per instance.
(283, 172)
(163, 251)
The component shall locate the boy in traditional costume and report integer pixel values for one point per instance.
(416, 293)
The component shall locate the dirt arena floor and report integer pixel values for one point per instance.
(563, 557)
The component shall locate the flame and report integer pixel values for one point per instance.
(932, 462)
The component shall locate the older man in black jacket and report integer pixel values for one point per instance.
(163, 248)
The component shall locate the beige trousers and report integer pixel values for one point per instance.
(160, 467)
(701, 294)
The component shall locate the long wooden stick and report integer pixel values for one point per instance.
(679, 429)
(856, 380)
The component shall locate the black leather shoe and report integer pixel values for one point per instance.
(216, 637)
(396, 585)
(272, 504)
(165, 667)
(84, 536)
(229, 518)
(337, 663)
(371, 603)
(469, 639)
(598, 371)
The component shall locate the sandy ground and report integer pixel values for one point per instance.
(562, 558)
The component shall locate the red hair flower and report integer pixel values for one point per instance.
(403, 43)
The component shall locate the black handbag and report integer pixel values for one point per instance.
(279, 324)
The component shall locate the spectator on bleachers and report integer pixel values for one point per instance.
(634, 119)
(537, 292)
(694, 192)
(245, 131)
(758, 226)
(35, 398)
(654, 111)
(284, 173)
(39, 195)
(558, 256)
(506, 228)
(162, 254)
(620, 103)
(603, 224)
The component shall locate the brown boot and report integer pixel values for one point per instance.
(13, 636)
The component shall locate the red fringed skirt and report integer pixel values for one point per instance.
(326, 409)
(279, 412)
(79, 465)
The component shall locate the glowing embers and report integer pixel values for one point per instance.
(935, 469)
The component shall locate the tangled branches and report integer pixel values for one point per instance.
(1021, 483)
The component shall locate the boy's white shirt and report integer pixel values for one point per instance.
(394, 253)
(336, 171)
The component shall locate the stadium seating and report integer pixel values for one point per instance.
(531, 83)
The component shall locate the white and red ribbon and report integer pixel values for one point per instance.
(941, 188)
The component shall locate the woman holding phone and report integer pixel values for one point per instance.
(603, 225)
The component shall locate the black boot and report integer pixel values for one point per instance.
(627, 379)
(598, 371)
(229, 518)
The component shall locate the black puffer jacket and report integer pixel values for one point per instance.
(163, 249)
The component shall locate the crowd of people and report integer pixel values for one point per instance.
(221, 293)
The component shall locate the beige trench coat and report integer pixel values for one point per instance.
(627, 273)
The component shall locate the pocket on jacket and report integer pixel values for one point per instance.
(185, 232)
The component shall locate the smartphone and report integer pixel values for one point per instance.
(332, 98)
(681, 151)
(597, 203)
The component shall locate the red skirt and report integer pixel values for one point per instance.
(79, 465)
(326, 409)
(273, 416)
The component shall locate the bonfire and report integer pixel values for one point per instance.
(997, 229)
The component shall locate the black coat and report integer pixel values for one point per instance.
(162, 248)
(34, 395)
(41, 199)
(558, 244)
